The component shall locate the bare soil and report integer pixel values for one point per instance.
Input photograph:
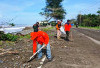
(81, 53)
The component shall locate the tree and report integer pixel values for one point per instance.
(98, 12)
(53, 9)
(12, 24)
(5, 21)
(89, 20)
(98, 15)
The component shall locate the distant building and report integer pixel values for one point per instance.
(43, 22)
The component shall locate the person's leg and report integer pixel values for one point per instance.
(66, 35)
(48, 51)
(40, 52)
(57, 34)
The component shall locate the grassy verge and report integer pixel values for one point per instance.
(26, 36)
(48, 28)
(97, 28)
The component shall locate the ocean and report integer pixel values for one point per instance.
(16, 28)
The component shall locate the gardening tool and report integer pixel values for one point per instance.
(35, 53)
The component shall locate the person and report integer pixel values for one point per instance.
(76, 25)
(36, 27)
(41, 38)
(67, 29)
(58, 26)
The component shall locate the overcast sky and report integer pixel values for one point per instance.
(27, 11)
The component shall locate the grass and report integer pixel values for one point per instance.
(9, 43)
(48, 28)
(25, 37)
(97, 28)
(1, 42)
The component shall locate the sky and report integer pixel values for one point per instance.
(27, 11)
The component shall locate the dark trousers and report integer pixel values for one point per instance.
(67, 35)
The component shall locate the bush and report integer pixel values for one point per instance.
(8, 37)
(47, 29)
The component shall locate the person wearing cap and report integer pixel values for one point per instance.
(58, 26)
(41, 38)
(67, 29)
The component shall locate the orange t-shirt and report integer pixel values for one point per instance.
(67, 27)
(58, 25)
(41, 37)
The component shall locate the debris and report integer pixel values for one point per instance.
(8, 51)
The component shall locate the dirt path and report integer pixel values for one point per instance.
(81, 53)
(90, 32)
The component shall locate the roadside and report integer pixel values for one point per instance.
(87, 27)
(90, 32)
(81, 53)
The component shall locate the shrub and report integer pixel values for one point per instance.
(8, 37)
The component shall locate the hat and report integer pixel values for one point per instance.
(33, 35)
(58, 20)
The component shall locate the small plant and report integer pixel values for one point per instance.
(1, 42)
(8, 37)
(26, 36)
(47, 28)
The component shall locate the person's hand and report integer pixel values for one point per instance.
(33, 53)
(45, 45)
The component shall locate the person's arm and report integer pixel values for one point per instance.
(34, 46)
(46, 38)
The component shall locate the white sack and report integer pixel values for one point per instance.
(62, 30)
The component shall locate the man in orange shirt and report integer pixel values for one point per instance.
(67, 29)
(41, 38)
(58, 26)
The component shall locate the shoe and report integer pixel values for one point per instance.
(67, 40)
(50, 59)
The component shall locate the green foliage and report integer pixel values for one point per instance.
(91, 20)
(97, 27)
(47, 29)
(53, 9)
(1, 42)
(12, 24)
(98, 11)
(26, 36)
(8, 37)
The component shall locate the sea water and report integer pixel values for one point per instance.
(12, 29)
